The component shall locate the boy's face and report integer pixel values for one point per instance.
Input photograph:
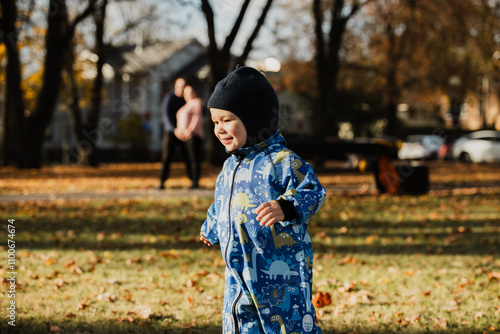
(229, 129)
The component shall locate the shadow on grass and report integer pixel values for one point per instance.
(129, 225)
(130, 234)
(153, 326)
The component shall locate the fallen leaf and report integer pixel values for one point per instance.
(59, 282)
(76, 270)
(415, 319)
(70, 315)
(142, 311)
(369, 239)
(150, 258)
(133, 260)
(402, 322)
(106, 297)
(321, 299)
(453, 306)
(201, 273)
(83, 305)
(347, 287)
(441, 323)
(55, 329)
(114, 281)
(69, 264)
(494, 275)
(346, 260)
(213, 277)
(171, 254)
(191, 283)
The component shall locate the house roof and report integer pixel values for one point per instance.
(164, 59)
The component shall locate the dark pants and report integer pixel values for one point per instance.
(170, 143)
(193, 149)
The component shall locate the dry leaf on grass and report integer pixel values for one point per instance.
(69, 315)
(321, 299)
(59, 282)
(441, 323)
(76, 270)
(346, 260)
(106, 297)
(83, 305)
(142, 311)
(494, 275)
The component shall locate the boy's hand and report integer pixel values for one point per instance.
(269, 213)
(202, 238)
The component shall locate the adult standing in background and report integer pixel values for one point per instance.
(171, 103)
(190, 130)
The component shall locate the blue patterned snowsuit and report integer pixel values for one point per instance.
(268, 277)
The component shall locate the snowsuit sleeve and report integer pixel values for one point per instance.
(210, 226)
(300, 185)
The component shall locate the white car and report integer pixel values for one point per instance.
(478, 146)
(420, 147)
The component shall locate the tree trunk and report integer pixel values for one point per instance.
(220, 60)
(14, 106)
(90, 136)
(76, 113)
(328, 62)
(30, 155)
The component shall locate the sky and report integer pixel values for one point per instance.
(176, 19)
(183, 19)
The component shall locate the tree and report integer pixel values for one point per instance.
(31, 143)
(328, 47)
(89, 133)
(220, 59)
(14, 105)
(33, 124)
(420, 44)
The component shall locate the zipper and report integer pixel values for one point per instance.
(240, 160)
(233, 308)
(235, 317)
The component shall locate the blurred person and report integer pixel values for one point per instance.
(171, 103)
(190, 130)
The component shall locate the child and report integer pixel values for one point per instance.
(264, 197)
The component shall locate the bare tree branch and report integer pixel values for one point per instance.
(209, 16)
(234, 31)
(255, 32)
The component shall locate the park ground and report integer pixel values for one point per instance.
(100, 250)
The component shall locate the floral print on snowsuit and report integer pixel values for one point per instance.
(268, 277)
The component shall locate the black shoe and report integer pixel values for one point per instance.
(161, 187)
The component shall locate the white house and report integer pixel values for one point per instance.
(136, 78)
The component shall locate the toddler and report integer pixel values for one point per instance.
(264, 198)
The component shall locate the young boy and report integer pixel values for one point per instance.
(264, 197)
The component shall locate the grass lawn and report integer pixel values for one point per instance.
(408, 264)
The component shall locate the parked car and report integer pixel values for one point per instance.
(478, 146)
(420, 147)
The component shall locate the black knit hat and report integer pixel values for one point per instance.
(249, 95)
